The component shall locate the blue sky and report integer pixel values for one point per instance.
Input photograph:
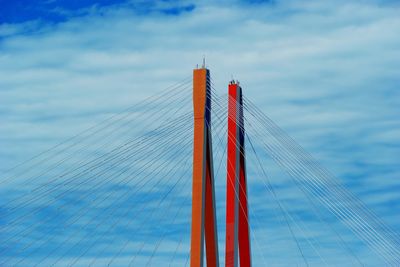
(326, 71)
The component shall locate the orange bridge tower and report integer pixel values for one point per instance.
(204, 223)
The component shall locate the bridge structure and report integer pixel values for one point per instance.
(147, 187)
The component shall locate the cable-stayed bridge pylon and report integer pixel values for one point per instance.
(186, 177)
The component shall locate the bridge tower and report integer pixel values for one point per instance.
(204, 223)
(237, 222)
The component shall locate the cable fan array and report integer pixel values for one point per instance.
(119, 194)
(322, 192)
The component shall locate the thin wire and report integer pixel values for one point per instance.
(126, 193)
(238, 110)
(342, 243)
(246, 217)
(80, 184)
(108, 216)
(80, 165)
(130, 222)
(90, 207)
(164, 233)
(166, 213)
(140, 170)
(335, 213)
(234, 102)
(96, 175)
(63, 186)
(300, 152)
(111, 156)
(338, 189)
(282, 209)
(149, 99)
(115, 255)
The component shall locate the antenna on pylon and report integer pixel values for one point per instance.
(204, 62)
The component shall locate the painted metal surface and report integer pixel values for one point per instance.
(204, 227)
(237, 224)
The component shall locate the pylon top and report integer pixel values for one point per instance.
(234, 82)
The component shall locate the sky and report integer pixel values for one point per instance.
(327, 72)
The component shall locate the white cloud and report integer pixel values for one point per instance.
(327, 72)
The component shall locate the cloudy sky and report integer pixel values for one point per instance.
(327, 72)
